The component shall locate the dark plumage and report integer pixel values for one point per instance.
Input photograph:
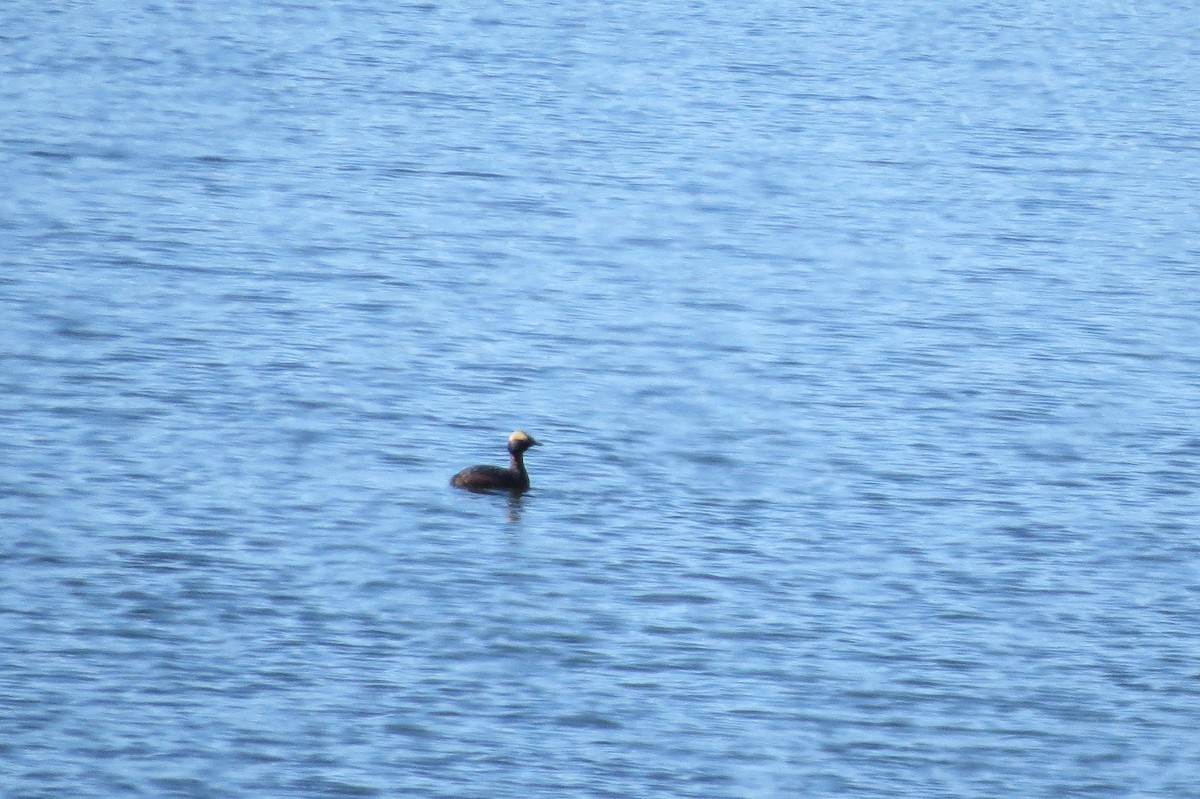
(497, 478)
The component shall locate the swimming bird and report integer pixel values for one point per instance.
(497, 478)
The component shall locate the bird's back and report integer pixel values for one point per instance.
(488, 478)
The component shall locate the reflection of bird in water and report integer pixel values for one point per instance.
(497, 478)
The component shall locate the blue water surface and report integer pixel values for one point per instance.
(862, 340)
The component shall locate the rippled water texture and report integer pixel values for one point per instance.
(861, 339)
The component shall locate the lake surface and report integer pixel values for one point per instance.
(863, 341)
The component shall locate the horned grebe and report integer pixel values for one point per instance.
(496, 478)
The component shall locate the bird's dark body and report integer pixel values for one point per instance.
(490, 478)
